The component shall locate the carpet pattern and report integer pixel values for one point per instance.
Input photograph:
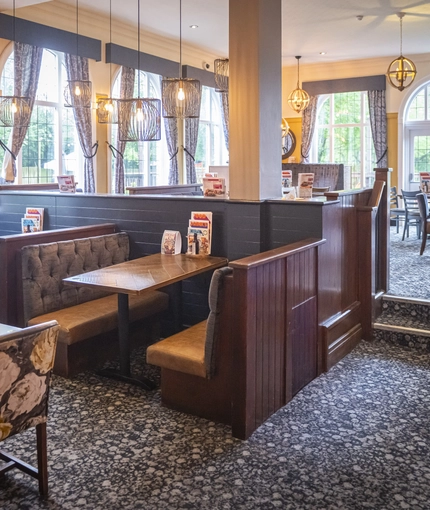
(355, 438)
(409, 272)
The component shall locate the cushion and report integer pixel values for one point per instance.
(183, 352)
(91, 318)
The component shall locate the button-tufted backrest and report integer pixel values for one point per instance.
(44, 266)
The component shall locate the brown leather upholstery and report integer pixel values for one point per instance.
(92, 318)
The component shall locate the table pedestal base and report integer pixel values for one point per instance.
(142, 382)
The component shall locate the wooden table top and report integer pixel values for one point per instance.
(151, 272)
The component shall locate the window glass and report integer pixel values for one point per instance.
(50, 147)
(343, 135)
(211, 149)
(417, 107)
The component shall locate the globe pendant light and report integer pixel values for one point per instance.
(402, 71)
(139, 119)
(221, 70)
(107, 108)
(15, 111)
(181, 96)
(77, 93)
(299, 98)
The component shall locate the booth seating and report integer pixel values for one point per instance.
(88, 318)
(196, 363)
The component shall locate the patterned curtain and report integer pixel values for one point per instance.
(378, 123)
(225, 117)
(191, 136)
(171, 129)
(309, 117)
(77, 69)
(28, 60)
(126, 92)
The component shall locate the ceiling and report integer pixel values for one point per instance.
(309, 26)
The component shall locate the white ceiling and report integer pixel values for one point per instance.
(309, 26)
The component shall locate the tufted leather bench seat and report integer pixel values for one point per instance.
(86, 316)
(195, 363)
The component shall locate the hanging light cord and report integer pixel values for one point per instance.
(401, 36)
(138, 48)
(298, 72)
(180, 38)
(77, 27)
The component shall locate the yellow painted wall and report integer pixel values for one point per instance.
(393, 149)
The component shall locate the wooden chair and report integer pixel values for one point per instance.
(412, 213)
(423, 205)
(396, 212)
(26, 361)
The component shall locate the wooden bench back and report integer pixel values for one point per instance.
(44, 266)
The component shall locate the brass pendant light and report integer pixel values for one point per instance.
(107, 108)
(15, 111)
(402, 71)
(221, 73)
(181, 96)
(299, 98)
(77, 93)
(139, 119)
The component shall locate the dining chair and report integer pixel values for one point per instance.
(412, 212)
(423, 205)
(396, 212)
(26, 361)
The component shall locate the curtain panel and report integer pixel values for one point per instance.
(378, 123)
(191, 136)
(126, 92)
(28, 60)
(77, 69)
(171, 130)
(309, 117)
(225, 117)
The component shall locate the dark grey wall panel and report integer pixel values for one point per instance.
(29, 32)
(123, 56)
(206, 78)
(315, 88)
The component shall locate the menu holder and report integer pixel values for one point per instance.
(171, 244)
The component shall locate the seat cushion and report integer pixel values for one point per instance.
(183, 352)
(91, 318)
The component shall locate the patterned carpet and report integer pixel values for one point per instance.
(408, 270)
(355, 438)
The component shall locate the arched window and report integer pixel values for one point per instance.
(417, 134)
(211, 149)
(343, 135)
(145, 163)
(51, 146)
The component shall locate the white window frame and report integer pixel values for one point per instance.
(331, 126)
(58, 106)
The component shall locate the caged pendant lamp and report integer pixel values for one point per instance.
(139, 119)
(181, 96)
(77, 93)
(107, 108)
(402, 71)
(15, 111)
(299, 98)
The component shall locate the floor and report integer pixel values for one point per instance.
(355, 438)
(410, 269)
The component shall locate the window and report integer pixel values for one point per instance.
(51, 146)
(211, 149)
(417, 135)
(343, 135)
(145, 163)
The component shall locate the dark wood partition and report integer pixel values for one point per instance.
(10, 247)
(276, 342)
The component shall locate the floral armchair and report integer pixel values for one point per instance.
(26, 361)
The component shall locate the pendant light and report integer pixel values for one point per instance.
(299, 98)
(221, 70)
(402, 71)
(77, 93)
(107, 108)
(15, 111)
(139, 119)
(181, 96)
